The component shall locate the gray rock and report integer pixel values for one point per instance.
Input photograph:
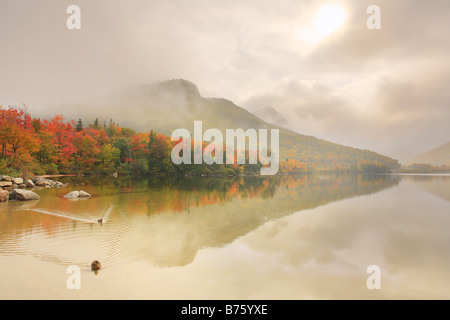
(84, 194)
(30, 184)
(77, 195)
(5, 184)
(24, 195)
(42, 183)
(72, 195)
(17, 181)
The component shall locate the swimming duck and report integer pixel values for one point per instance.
(95, 265)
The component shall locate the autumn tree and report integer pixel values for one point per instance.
(63, 137)
(159, 153)
(86, 152)
(109, 157)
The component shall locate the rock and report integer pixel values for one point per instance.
(6, 178)
(77, 195)
(59, 185)
(30, 184)
(5, 184)
(17, 181)
(22, 186)
(15, 186)
(84, 194)
(4, 196)
(24, 195)
(42, 183)
(72, 195)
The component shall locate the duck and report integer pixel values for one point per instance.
(96, 265)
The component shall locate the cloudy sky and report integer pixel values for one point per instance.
(316, 62)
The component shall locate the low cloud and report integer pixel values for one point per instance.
(383, 90)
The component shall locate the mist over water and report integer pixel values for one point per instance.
(263, 238)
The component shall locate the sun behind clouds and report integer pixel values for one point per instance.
(330, 19)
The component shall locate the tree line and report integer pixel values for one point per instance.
(34, 146)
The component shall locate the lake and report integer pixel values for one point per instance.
(302, 237)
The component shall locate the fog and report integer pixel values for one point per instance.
(384, 90)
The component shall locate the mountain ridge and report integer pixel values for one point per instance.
(169, 105)
(438, 156)
(271, 115)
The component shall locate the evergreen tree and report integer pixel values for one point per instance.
(79, 126)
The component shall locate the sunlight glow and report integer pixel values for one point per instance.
(329, 19)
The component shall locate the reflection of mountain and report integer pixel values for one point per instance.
(436, 185)
(167, 223)
(207, 223)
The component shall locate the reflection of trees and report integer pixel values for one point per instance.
(171, 219)
(181, 195)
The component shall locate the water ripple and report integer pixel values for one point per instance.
(76, 239)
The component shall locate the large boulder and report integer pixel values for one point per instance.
(4, 196)
(24, 195)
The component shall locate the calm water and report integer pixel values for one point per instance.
(308, 237)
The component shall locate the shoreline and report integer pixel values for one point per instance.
(56, 176)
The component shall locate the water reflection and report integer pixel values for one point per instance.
(163, 221)
(436, 185)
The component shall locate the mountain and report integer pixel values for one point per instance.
(169, 105)
(437, 157)
(270, 115)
